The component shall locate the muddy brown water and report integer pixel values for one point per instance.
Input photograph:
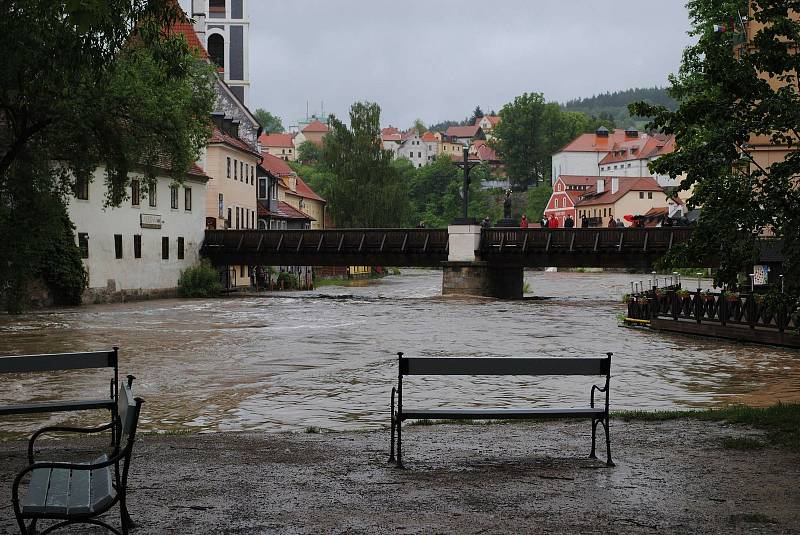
(327, 358)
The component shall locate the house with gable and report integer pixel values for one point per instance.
(280, 145)
(465, 135)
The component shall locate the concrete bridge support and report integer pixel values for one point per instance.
(465, 274)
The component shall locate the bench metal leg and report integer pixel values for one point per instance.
(391, 447)
(399, 444)
(92, 521)
(595, 421)
(609, 462)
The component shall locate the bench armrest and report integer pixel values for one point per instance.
(64, 429)
(599, 389)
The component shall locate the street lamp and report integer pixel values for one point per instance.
(699, 276)
(655, 280)
(676, 278)
(752, 282)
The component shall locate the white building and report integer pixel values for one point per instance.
(420, 150)
(147, 241)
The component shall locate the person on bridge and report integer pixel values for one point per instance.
(553, 223)
(569, 222)
(524, 222)
(611, 222)
(486, 223)
(544, 222)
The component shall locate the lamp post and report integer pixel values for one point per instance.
(752, 282)
(655, 280)
(676, 278)
(781, 277)
(699, 276)
(467, 167)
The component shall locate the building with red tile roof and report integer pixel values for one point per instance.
(294, 191)
(465, 134)
(280, 145)
(314, 132)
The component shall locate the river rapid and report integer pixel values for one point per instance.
(327, 358)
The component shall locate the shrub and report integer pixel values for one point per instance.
(199, 281)
(287, 281)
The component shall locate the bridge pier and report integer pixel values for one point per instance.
(465, 274)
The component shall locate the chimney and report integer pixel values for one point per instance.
(614, 185)
(602, 132)
(631, 132)
(218, 120)
(601, 185)
(199, 16)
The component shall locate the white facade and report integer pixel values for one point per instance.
(577, 164)
(636, 168)
(100, 230)
(416, 150)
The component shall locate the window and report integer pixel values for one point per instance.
(241, 271)
(253, 172)
(135, 193)
(180, 248)
(241, 172)
(164, 248)
(137, 246)
(262, 188)
(229, 167)
(235, 170)
(117, 246)
(252, 219)
(229, 218)
(216, 49)
(83, 244)
(237, 218)
(173, 197)
(649, 194)
(641, 195)
(274, 191)
(151, 194)
(187, 199)
(221, 206)
(81, 189)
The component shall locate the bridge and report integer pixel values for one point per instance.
(475, 261)
(587, 247)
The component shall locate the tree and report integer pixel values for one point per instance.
(477, 114)
(269, 123)
(365, 190)
(731, 98)
(87, 85)
(309, 152)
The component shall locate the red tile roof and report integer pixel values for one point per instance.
(626, 184)
(594, 143)
(388, 131)
(276, 166)
(284, 211)
(494, 119)
(304, 191)
(463, 131)
(218, 136)
(428, 136)
(643, 147)
(316, 126)
(196, 171)
(487, 154)
(392, 137)
(277, 141)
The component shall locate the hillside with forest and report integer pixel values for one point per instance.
(612, 106)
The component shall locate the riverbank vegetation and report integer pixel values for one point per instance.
(200, 281)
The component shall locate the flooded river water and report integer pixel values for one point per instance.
(327, 358)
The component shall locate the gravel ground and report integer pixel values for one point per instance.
(503, 478)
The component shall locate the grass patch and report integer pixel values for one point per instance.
(781, 422)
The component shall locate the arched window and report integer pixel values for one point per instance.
(216, 49)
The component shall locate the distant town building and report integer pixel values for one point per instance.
(632, 157)
(314, 132)
(418, 151)
(293, 195)
(280, 145)
(465, 134)
(487, 124)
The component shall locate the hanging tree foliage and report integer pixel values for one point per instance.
(734, 96)
(86, 84)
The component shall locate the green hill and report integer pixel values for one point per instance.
(613, 105)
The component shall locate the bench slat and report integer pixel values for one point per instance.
(57, 361)
(503, 414)
(504, 366)
(58, 492)
(51, 406)
(36, 498)
(78, 499)
(101, 491)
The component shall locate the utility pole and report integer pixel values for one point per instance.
(467, 167)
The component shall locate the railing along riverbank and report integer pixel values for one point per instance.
(770, 319)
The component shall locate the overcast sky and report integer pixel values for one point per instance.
(438, 59)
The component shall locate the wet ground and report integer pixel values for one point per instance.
(327, 358)
(672, 477)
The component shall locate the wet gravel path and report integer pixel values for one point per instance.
(504, 478)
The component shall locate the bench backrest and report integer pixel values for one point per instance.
(504, 366)
(58, 361)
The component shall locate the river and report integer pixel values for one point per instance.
(327, 358)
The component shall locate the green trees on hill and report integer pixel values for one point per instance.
(611, 107)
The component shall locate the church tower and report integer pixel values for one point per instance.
(224, 28)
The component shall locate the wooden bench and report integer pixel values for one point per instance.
(76, 493)
(501, 366)
(60, 362)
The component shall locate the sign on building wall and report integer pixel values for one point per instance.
(150, 221)
(760, 275)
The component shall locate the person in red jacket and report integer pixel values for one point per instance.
(524, 222)
(553, 223)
